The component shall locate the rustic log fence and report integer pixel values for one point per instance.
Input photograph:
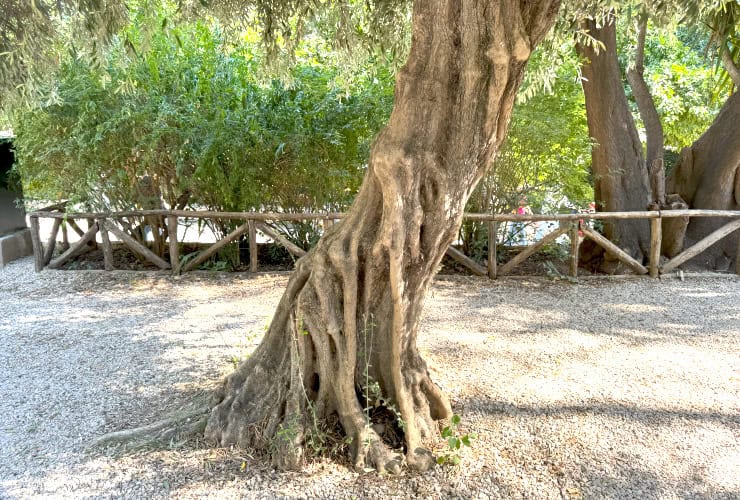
(571, 224)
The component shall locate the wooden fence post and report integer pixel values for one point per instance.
(65, 237)
(136, 246)
(531, 249)
(174, 247)
(575, 246)
(492, 228)
(75, 249)
(253, 249)
(107, 247)
(90, 224)
(213, 249)
(656, 238)
(38, 249)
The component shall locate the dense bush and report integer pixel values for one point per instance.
(546, 159)
(190, 120)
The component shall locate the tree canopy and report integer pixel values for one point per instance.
(187, 101)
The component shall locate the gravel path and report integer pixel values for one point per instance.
(603, 389)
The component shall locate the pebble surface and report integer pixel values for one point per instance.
(601, 389)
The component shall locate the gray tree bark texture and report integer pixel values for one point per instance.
(618, 166)
(707, 176)
(650, 117)
(674, 228)
(349, 317)
(645, 104)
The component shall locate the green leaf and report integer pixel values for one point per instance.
(453, 443)
(455, 419)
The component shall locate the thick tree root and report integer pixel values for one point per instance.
(372, 453)
(179, 427)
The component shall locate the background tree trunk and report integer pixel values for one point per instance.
(707, 176)
(345, 330)
(620, 176)
(650, 117)
(674, 228)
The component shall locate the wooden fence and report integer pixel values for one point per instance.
(570, 224)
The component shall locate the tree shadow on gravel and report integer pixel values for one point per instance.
(631, 481)
(608, 463)
(119, 353)
(645, 415)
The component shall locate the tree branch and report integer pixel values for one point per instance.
(730, 65)
(640, 50)
(649, 115)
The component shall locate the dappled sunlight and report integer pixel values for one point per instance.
(635, 368)
(573, 386)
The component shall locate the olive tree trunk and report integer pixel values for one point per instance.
(618, 166)
(347, 324)
(707, 176)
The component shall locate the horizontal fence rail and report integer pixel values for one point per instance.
(476, 217)
(167, 221)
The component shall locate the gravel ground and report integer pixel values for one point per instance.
(602, 389)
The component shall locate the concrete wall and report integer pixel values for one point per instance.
(11, 218)
(15, 237)
(14, 246)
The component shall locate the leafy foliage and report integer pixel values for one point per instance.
(680, 78)
(31, 35)
(681, 86)
(187, 111)
(546, 158)
(34, 36)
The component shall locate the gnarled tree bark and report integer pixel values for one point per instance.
(618, 166)
(350, 314)
(707, 176)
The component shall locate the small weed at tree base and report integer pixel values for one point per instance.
(455, 442)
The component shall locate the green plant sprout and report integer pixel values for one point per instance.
(455, 442)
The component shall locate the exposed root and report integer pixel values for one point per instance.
(179, 427)
(370, 452)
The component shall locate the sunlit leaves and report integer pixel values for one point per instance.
(191, 110)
